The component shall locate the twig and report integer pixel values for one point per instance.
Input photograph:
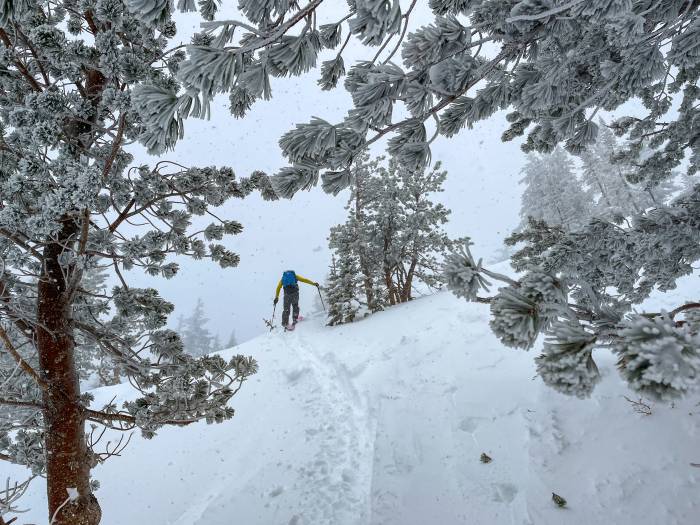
(273, 37)
(403, 33)
(102, 417)
(640, 407)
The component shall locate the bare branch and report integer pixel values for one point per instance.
(22, 404)
(116, 145)
(688, 306)
(403, 32)
(17, 357)
(19, 242)
(109, 417)
(21, 67)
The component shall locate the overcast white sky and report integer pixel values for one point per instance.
(481, 190)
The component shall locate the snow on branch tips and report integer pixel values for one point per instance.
(447, 72)
(659, 359)
(566, 364)
(463, 274)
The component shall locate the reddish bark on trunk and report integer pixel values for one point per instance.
(67, 458)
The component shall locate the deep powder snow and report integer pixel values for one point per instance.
(382, 422)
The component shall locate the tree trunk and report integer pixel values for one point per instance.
(67, 459)
(388, 279)
(564, 224)
(389, 282)
(399, 282)
(368, 285)
(408, 285)
(602, 190)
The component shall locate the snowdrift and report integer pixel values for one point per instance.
(382, 422)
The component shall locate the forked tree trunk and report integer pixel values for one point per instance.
(408, 285)
(603, 193)
(67, 460)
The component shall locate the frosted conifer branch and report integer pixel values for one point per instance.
(463, 274)
(336, 181)
(520, 313)
(331, 71)
(658, 359)
(542, 14)
(566, 363)
(150, 10)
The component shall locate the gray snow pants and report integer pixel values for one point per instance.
(291, 300)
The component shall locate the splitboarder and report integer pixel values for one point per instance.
(290, 283)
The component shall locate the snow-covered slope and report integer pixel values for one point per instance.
(383, 422)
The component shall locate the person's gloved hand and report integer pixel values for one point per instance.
(275, 301)
(316, 285)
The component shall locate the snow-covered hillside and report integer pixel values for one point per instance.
(383, 422)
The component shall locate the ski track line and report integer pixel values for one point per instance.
(335, 481)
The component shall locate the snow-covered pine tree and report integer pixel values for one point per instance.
(81, 80)
(421, 238)
(232, 340)
(553, 64)
(343, 285)
(614, 195)
(393, 234)
(385, 222)
(353, 237)
(553, 193)
(197, 340)
(363, 192)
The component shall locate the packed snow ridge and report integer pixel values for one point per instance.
(383, 422)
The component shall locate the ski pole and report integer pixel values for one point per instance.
(321, 297)
(271, 323)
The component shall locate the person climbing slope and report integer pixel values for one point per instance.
(290, 283)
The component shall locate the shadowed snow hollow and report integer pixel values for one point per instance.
(382, 422)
